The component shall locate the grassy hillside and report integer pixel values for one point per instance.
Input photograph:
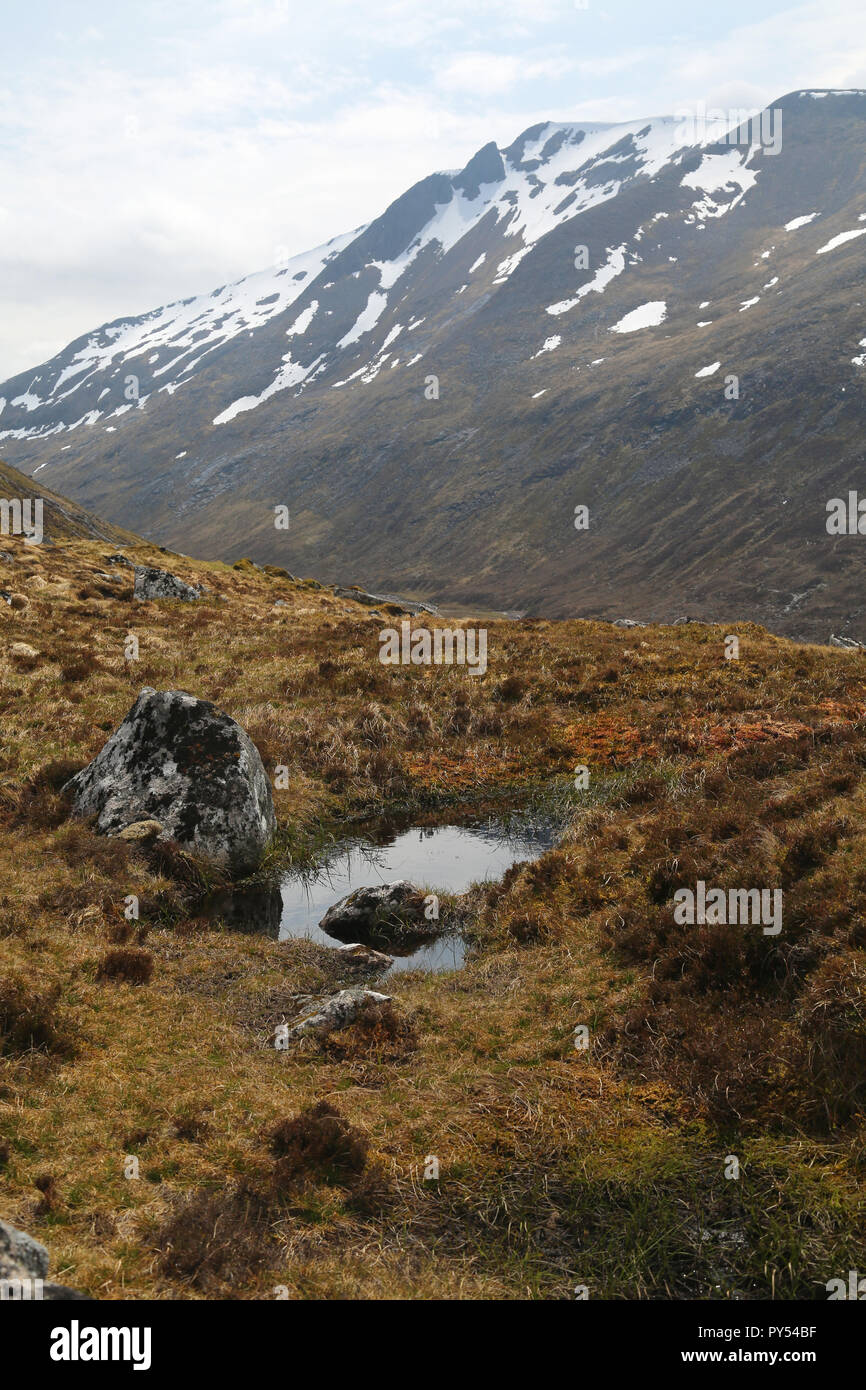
(62, 519)
(558, 1166)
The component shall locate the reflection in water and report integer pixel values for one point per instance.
(257, 909)
(447, 858)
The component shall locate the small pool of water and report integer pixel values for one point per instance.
(444, 858)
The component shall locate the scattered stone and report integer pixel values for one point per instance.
(848, 643)
(281, 603)
(119, 559)
(338, 1012)
(366, 956)
(22, 1262)
(627, 622)
(182, 762)
(152, 583)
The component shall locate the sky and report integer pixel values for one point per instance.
(155, 149)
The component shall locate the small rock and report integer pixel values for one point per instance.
(627, 622)
(182, 762)
(6, 595)
(338, 1012)
(375, 905)
(7, 557)
(23, 649)
(387, 913)
(848, 643)
(119, 559)
(152, 583)
(366, 956)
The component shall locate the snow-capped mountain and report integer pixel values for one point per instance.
(659, 326)
(550, 174)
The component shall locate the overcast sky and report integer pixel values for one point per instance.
(154, 149)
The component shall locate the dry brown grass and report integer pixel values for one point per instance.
(556, 1166)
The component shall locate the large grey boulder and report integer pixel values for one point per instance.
(181, 762)
(152, 583)
(23, 1268)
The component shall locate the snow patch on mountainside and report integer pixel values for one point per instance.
(613, 266)
(648, 315)
(720, 174)
(840, 240)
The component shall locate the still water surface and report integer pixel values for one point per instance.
(447, 858)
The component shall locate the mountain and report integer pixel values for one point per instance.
(615, 317)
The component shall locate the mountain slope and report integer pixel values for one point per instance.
(562, 379)
(61, 519)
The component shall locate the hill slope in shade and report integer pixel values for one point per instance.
(61, 519)
(602, 380)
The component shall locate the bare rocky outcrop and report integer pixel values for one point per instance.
(179, 761)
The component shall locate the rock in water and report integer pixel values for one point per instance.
(391, 914)
(181, 762)
(152, 583)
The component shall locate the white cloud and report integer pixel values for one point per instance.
(483, 74)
